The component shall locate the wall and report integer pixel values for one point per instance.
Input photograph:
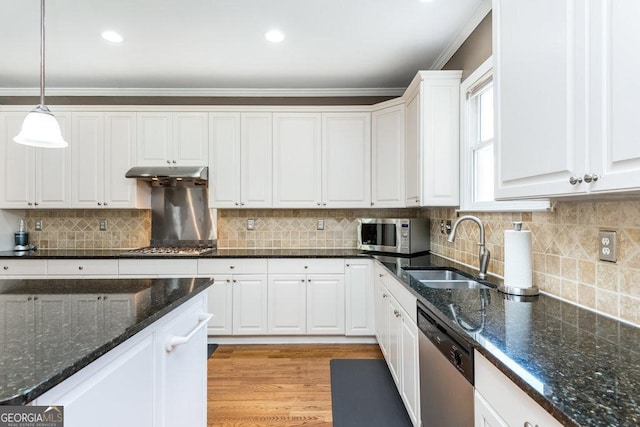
(296, 228)
(78, 229)
(474, 51)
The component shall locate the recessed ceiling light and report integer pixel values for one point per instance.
(274, 36)
(112, 36)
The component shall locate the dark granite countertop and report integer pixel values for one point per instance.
(46, 336)
(219, 253)
(582, 367)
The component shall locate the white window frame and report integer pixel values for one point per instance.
(467, 202)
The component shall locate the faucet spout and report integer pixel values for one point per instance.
(483, 254)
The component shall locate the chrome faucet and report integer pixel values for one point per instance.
(483, 255)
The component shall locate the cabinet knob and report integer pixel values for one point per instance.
(173, 161)
(324, 204)
(347, 265)
(241, 203)
(80, 267)
(371, 203)
(104, 298)
(35, 298)
(575, 180)
(397, 313)
(528, 424)
(384, 295)
(29, 299)
(236, 203)
(36, 203)
(302, 280)
(318, 203)
(232, 267)
(99, 204)
(417, 201)
(306, 266)
(234, 281)
(29, 204)
(99, 298)
(588, 177)
(228, 280)
(380, 275)
(6, 267)
(168, 162)
(105, 203)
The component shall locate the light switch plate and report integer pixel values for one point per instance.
(102, 224)
(251, 224)
(607, 246)
(320, 224)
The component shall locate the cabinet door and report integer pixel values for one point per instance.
(224, 160)
(325, 304)
(220, 304)
(18, 168)
(412, 153)
(484, 415)
(615, 151)
(120, 312)
(191, 139)
(359, 297)
(539, 77)
(119, 157)
(87, 321)
(249, 304)
(53, 171)
(154, 139)
(394, 349)
(296, 160)
(88, 162)
(183, 371)
(346, 160)
(387, 158)
(287, 308)
(17, 333)
(409, 377)
(382, 318)
(256, 155)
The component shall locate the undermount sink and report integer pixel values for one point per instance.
(444, 279)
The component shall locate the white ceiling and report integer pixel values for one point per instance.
(338, 44)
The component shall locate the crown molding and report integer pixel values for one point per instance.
(205, 92)
(481, 11)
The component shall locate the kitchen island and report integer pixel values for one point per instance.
(87, 344)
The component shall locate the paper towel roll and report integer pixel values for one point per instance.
(517, 258)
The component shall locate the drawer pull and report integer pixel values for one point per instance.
(396, 312)
(175, 341)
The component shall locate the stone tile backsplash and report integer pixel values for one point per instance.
(565, 251)
(296, 228)
(565, 260)
(79, 229)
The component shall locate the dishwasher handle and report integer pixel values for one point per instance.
(175, 341)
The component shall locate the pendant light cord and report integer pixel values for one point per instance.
(42, 52)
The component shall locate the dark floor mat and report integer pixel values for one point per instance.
(210, 349)
(363, 394)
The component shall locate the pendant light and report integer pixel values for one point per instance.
(40, 128)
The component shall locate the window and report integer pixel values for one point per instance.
(477, 147)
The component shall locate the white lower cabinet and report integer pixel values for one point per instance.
(158, 267)
(499, 402)
(249, 304)
(287, 307)
(325, 304)
(147, 383)
(221, 305)
(397, 334)
(82, 268)
(23, 268)
(359, 297)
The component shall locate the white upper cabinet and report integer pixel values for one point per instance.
(172, 139)
(322, 160)
(240, 159)
(102, 152)
(432, 139)
(297, 160)
(33, 177)
(387, 158)
(346, 160)
(565, 86)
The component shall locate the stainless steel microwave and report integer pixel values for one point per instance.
(394, 235)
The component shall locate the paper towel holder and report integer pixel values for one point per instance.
(514, 290)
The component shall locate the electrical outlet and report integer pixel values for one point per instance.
(102, 224)
(607, 245)
(251, 224)
(38, 225)
(447, 227)
(320, 224)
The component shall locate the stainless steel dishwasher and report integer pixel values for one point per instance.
(446, 374)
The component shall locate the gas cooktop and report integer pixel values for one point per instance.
(170, 250)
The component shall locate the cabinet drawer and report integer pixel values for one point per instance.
(82, 267)
(23, 267)
(306, 266)
(404, 297)
(232, 266)
(509, 401)
(158, 267)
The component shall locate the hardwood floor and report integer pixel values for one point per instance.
(275, 385)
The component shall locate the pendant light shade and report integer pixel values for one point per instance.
(40, 128)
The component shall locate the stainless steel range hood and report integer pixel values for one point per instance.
(198, 174)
